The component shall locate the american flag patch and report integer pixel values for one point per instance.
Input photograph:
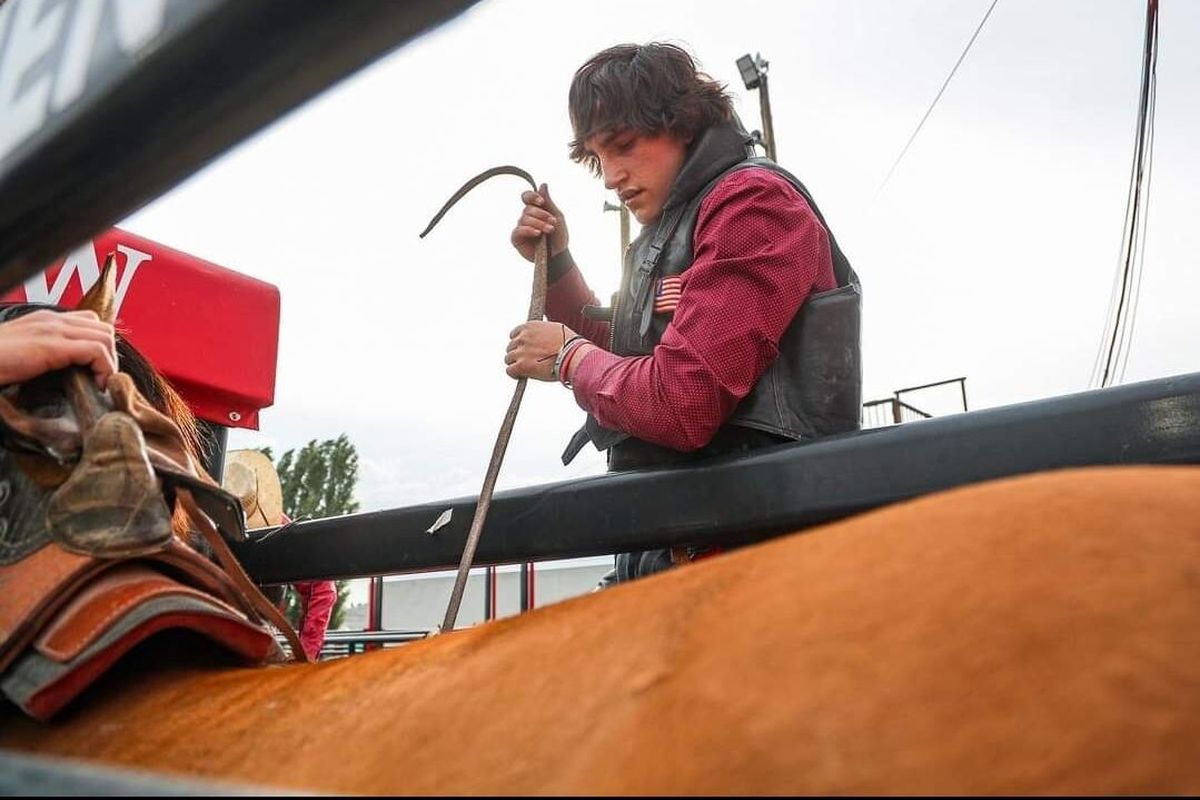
(666, 294)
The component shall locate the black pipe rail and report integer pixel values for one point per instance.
(739, 500)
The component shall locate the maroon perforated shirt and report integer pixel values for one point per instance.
(759, 252)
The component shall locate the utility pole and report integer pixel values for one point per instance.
(620, 207)
(754, 76)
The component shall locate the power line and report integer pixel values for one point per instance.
(929, 110)
(1126, 345)
(1115, 346)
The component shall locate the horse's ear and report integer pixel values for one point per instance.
(102, 297)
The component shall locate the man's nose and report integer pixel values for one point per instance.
(612, 173)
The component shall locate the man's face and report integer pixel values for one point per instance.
(639, 168)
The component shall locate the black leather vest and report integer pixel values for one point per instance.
(814, 387)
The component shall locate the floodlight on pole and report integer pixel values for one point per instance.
(748, 66)
(754, 76)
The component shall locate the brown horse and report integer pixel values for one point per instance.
(1031, 635)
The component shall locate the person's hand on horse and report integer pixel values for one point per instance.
(533, 347)
(44, 341)
(539, 216)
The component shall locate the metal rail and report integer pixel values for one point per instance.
(750, 498)
(346, 643)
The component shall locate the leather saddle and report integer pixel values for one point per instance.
(109, 533)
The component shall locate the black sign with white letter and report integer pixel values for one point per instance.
(105, 104)
(57, 57)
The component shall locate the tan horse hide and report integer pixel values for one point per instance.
(1030, 636)
(100, 498)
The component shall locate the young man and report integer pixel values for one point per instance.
(737, 322)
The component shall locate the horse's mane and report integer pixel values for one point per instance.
(161, 394)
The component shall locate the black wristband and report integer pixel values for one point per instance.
(559, 265)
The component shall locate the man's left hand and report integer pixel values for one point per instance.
(532, 348)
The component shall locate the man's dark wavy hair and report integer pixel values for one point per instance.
(650, 88)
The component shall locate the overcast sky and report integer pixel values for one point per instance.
(990, 254)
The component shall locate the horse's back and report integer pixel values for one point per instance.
(1033, 635)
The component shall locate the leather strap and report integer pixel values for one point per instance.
(253, 596)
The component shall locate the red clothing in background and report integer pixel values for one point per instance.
(316, 605)
(759, 251)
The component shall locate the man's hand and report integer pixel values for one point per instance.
(539, 216)
(44, 341)
(532, 348)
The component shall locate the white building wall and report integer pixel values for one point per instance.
(418, 602)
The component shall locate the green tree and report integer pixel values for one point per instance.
(319, 481)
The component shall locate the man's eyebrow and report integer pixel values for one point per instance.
(606, 137)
